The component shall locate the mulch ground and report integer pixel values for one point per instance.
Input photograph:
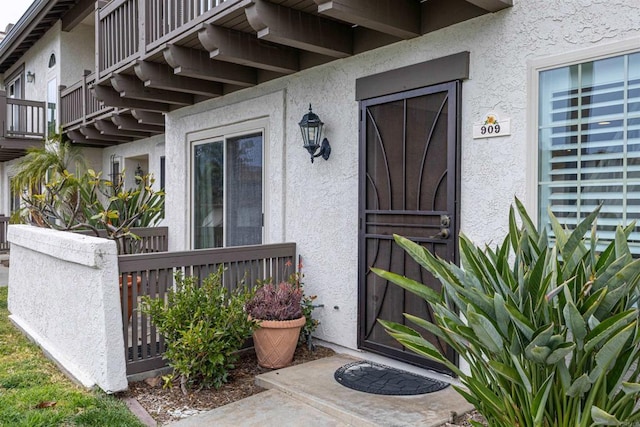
(168, 404)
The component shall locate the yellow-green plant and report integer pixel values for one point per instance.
(550, 331)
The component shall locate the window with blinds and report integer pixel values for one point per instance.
(589, 144)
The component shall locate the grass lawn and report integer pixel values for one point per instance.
(33, 392)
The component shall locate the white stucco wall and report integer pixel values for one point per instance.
(77, 53)
(150, 148)
(36, 60)
(72, 311)
(316, 205)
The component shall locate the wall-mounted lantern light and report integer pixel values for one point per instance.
(31, 77)
(139, 171)
(311, 128)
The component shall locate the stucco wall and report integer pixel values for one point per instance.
(77, 53)
(72, 311)
(317, 205)
(152, 148)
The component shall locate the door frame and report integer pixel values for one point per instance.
(453, 188)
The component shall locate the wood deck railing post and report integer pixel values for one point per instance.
(142, 23)
(85, 95)
(3, 112)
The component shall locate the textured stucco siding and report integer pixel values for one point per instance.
(36, 60)
(316, 205)
(152, 147)
(77, 54)
(73, 310)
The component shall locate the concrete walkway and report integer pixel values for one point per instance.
(308, 395)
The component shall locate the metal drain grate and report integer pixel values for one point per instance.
(371, 377)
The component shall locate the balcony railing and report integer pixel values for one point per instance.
(78, 104)
(120, 39)
(148, 240)
(22, 119)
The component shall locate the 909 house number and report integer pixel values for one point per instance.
(491, 126)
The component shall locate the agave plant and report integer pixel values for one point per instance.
(550, 331)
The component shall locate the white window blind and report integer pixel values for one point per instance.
(589, 144)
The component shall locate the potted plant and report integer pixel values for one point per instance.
(278, 310)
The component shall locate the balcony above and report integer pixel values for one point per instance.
(157, 56)
(90, 122)
(23, 126)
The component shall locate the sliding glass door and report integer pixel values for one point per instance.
(227, 191)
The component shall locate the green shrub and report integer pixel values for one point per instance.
(203, 326)
(550, 332)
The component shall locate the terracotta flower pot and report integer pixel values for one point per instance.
(275, 341)
(130, 293)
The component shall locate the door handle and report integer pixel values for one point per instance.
(444, 233)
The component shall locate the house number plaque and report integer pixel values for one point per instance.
(492, 126)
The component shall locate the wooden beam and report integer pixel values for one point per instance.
(399, 18)
(131, 87)
(196, 63)
(492, 5)
(127, 122)
(112, 98)
(77, 138)
(148, 117)
(161, 76)
(246, 49)
(77, 14)
(94, 134)
(107, 127)
(300, 30)
(19, 143)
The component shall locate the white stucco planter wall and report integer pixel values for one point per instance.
(63, 292)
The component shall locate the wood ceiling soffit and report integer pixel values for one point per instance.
(127, 122)
(112, 98)
(93, 133)
(107, 127)
(77, 14)
(148, 117)
(437, 14)
(399, 18)
(196, 63)
(290, 27)
(492, 5)
(246, 49)
(132, 87)
(161, 76)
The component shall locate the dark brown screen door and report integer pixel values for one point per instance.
(408, 186)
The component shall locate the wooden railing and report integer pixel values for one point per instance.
(165, 16)
(78, 104)
(128, 29)
(72, 110)
(4, 227)
(150, 240)
(117, 34)
(22, 119)
(153, 274)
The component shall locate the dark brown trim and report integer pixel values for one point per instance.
(77, 14)
(441, 70)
